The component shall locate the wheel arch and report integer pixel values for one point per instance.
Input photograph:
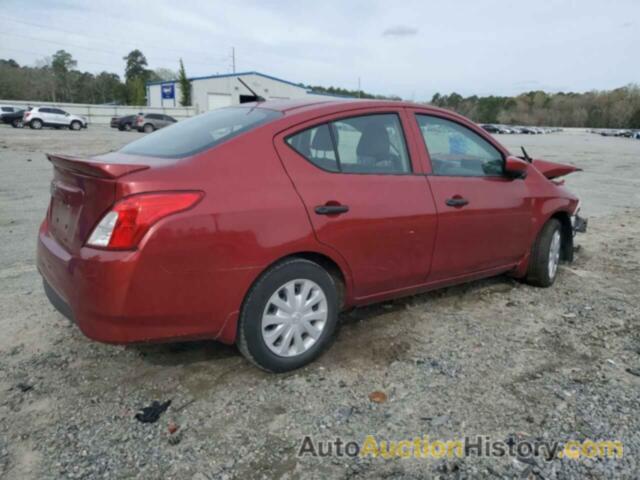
(339, 272)
(564, 217)
(331, 265)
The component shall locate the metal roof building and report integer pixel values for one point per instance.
(215, 91)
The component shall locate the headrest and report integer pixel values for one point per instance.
(374, 141)
(322, 139)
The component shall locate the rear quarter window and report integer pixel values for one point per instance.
(200, 133)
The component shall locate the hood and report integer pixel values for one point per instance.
(553, 170)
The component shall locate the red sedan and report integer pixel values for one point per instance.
(258, 224)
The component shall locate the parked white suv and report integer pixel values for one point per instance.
(53, 117)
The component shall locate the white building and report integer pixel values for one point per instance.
(215, 91)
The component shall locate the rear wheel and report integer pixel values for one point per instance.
(17, 123)
(289, 316)
(545, 255)
(127, 127)
(148, 128)
(75, 125)
(36, 124)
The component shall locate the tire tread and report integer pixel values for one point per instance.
(537, 273)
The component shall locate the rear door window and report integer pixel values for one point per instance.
(199, 133)
(371, 144)
(316, 145)
(362, 144)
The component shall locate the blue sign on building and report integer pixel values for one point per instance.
(168, 91)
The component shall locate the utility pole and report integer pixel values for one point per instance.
(233, 59)
(359, 88)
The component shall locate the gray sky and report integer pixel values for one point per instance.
(412, 49)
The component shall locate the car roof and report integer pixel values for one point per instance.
(303, 105)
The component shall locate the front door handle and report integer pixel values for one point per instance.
(457, 202)
(331, 209)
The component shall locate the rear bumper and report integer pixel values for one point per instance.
(122, 297)
(57, 301)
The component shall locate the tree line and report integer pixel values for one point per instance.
(344, 92)
(619, 108)
(56, 79)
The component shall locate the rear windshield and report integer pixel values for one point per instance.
(196, 134)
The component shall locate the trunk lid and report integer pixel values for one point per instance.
(81, 192)
(553, 170)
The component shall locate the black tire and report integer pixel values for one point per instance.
(121, 129)
(250, 340)
(539, 273)
(35, 124)
(17, 123)
(148, 128)
(127, 127)
(75, 125)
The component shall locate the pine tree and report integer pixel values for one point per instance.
(185, 86)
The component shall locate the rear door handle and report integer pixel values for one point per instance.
(457, 202)
(331, 209)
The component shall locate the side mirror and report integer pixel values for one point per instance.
(67, 114)
(515, 167)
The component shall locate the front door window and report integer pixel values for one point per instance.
(457, 151)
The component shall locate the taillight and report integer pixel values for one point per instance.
(125, 224)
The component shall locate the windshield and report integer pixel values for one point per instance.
(196, 134)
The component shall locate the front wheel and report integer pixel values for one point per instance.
(289, 316)
(545, 255)
(75, 125)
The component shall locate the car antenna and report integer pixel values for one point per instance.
(258, 97)
(526, 155)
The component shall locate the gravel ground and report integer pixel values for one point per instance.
(493, 358)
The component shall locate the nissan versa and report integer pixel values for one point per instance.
(258, 224)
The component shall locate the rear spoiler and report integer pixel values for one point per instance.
(92, 168)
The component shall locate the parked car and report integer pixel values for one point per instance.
(258, 224)
(124, 123)
(149, 122)
(491, 128)
(624, 133)
(14, 119)
(8, 110)
(528, 130)
(39, 117)
(609, 133)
